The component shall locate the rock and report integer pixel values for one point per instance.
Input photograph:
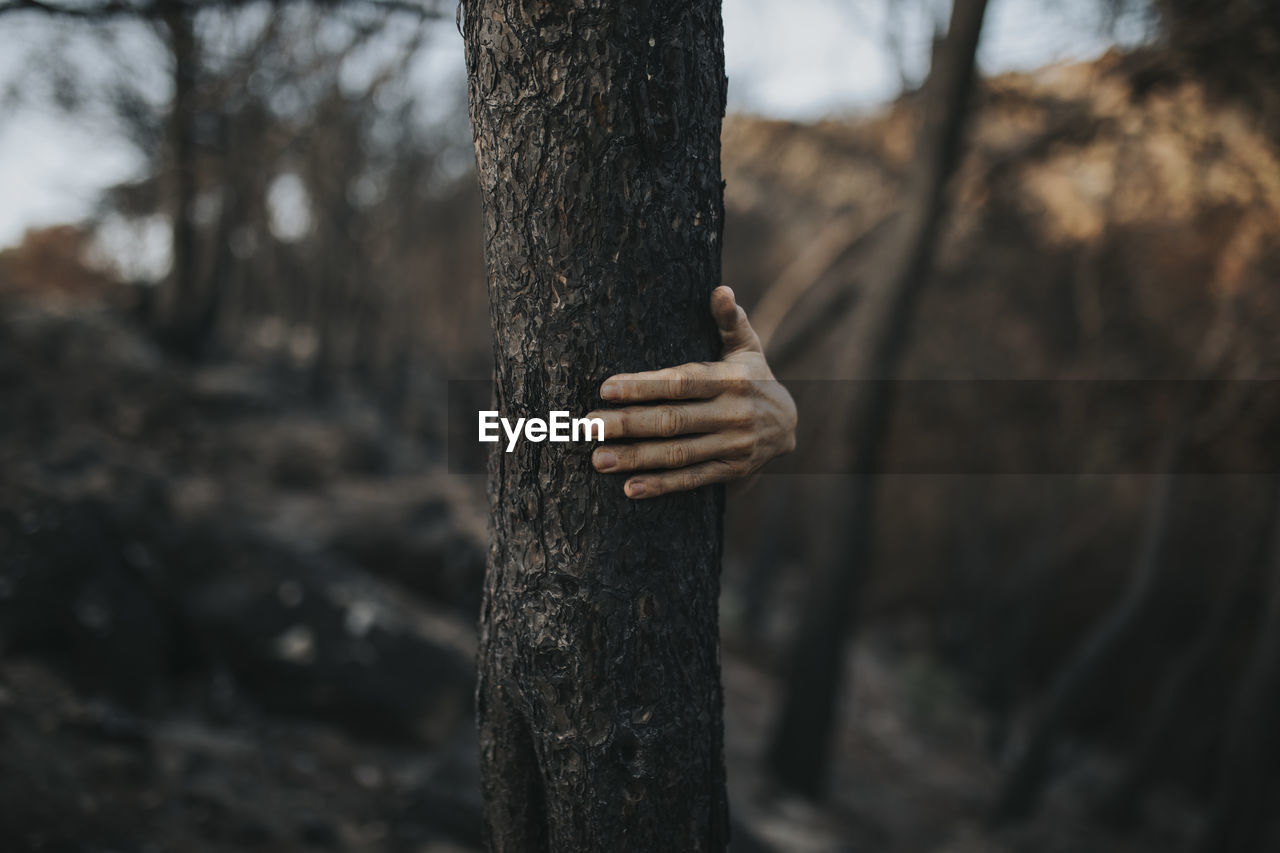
(422, 547)
(310, 635)
(75, 589)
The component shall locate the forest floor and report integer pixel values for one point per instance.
(232, 618)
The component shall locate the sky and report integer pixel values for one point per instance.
(799, 59)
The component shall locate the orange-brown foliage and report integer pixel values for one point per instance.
(50, 262)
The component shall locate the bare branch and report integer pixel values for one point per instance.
(85, 11)
(106, 9)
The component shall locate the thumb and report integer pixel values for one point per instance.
(735, 331)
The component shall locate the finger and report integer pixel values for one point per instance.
(651, 455)
(683, 480)
(736, 333)
(668, 421)
(693, 381)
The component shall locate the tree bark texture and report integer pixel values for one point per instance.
(597, 141)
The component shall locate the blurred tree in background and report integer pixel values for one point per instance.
(298, 168)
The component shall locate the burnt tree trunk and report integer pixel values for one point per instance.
(180, 308)
(597, 141)
(1243, 808)
(1121, 805)
(799, 752)
(1031, 767)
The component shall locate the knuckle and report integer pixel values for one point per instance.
(743, 418)
(669, 420)
(677, 456)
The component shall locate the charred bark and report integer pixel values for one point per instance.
(597, 141)
(799, 752)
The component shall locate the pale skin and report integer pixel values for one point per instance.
(697, 423)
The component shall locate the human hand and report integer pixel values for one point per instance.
(709, 422)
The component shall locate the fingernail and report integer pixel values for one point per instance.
(635, 489)
(610, 391)
(605, 459)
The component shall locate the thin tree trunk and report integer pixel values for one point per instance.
(1024, 782)
(799, 753)
(180, 307)
(597, 140)
(1013, 616)
(765, 563)
(1244, 803)
(1121, 805)
(218, 293)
